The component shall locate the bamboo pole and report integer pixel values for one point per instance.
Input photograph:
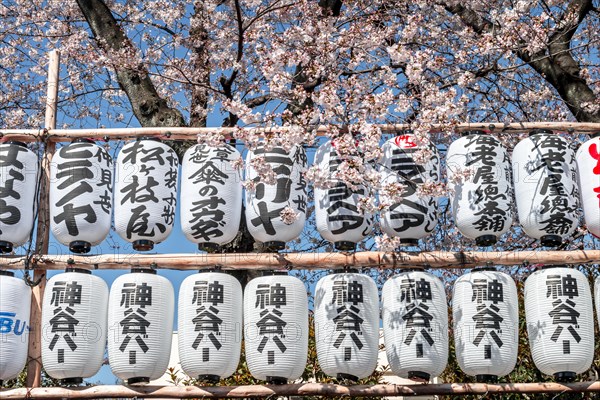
(309, 261)
(306, 389)
(34, 362)
(183, 133)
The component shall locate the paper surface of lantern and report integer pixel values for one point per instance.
(415, 216)
(266, 202)
(337, 215)
(81, 181)
(560, 322)
(210, 325)
(145, 193)
(211, 195)
(347, 325)
(18, 183)
(415, 324)
(482, 201)
(276, 328)
(140, 319)
(485, 308)
(74, 321)
(15, 303)
(544, 171)
(588, 170)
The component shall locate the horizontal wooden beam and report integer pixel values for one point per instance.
(179, 133)
(306, 389)
(270, 261)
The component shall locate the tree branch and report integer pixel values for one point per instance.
(200, 59)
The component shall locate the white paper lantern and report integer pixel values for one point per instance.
(15, 302)
(211, 195)
(481, 201)
(415, 324)
(588, 169)
(74, 325)
(347, 325)
(415, 216)
(140, 323)
(560, 321)
(544, 171)
(145, 193)
(485, 310)
(210, 325)
(18, 189)
(337, 215)
(276, 328)
(81, 180)
(265, 204)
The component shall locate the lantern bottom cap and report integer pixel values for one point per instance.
(344, 245)
(5, 247)
(486, 378)
(565, 376)
(551, 240)
(342, 376)
(72, 381)
(274, 245)
(80, 247)
(419, 375)
(209, 378)
(486, 240)
(209, 247)
(143, 245)
(276, 380)
(138, 380)
(409, 242)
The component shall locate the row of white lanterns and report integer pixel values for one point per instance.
(271, 315)
(544, 173)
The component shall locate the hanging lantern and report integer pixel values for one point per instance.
(560, 321)
(267, 204)
(18, 185)
(337, 215)
(482, 199)
(15, 302)
(81, 195)
(145, 193)
(415, 324)
(588, 168)
(347, 325)
(211, 195)
(276, 328)
(415, 216)
(210, 325)
(74, 317)
(485, 310)
(140, 316)
(547, 196)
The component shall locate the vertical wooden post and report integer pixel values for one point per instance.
(34, 363)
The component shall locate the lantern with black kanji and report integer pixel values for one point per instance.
(338, 216)
(276, 328)
(145, 192)
(415, 216)
(544, 171)
(560, 321)
(81, 180)
(211, 195)
(479, 170)
(18, 184)
(74, 323)
(347, 325)
(415, 324)
(276, 211)
(15, 303)
(485, 308)
(140, 317)
(210, 325)
(588, 169)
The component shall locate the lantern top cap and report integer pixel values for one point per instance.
(78, 270)
(143, 271)
(155, 139)
(485, 268)
(83, 140)
(7, 273)
(16, 143)
(541, 131)
(595, 134)
(475, 132)
(554, 266)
